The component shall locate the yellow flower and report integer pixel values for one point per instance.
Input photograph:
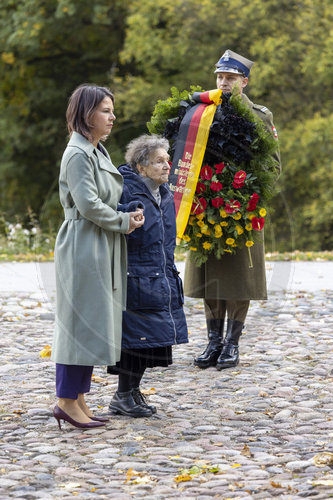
(201, 223)
(234, 245)
(218, 231)
(211, 221)
(248, 227)
(198, 235)
(205, 230)
(206, 245)
(237, 216)
(194, 249)
(223, 213)
(262, 212)
(249, 243)
(191, 220)
(230, 241)
(239, 230)
(223, 223)
(200, 216)
(227, 250)
(250, 216)
(186, 237)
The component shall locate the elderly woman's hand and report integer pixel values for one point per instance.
(136, 220)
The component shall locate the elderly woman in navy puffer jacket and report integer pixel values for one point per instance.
(154, 319)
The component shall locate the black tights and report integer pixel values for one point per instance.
(128, 381)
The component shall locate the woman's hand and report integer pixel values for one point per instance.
(136, 220)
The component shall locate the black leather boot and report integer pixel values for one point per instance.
(141, 400)
(123, 403)
(230, 355)
(215, 343)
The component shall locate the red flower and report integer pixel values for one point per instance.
(198, 206)
(219, 168)
(216, 186)
(257, 223)
(206, 173)
(217, 202)
(252, 204)
(239, 179)
(232, 206)
(201, 188)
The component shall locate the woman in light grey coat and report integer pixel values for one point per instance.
(90, 255)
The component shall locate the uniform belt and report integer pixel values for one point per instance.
(72, 213)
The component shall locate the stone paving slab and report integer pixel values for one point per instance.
(261, 430)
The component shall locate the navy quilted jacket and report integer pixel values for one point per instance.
(154, 315)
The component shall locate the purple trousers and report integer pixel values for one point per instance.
(72, 380)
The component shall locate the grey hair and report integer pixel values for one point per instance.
(139, 150)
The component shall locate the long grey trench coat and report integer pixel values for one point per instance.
(90, 258)
(231, 277)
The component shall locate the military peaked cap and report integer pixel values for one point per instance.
(231, 62)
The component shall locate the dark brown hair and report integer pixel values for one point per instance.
(82, 104)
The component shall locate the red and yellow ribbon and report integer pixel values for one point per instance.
(189, 153)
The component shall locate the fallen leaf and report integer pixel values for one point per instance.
(246, 451)
(45, 352)
(174, 456)
(152, 390)
(141, 480)
(69, 486)
(322, 482)
(323, 459)
(182, 478)
(236, 465)
(99, 380)
(138, 438)
(276, 485)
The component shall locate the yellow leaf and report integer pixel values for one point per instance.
(99, 380)
(138, 438)
(322, 482)
(323, 459)
(276, 485)
(152, 390)
(236, 465)
(174, 456)
(142, 480)
(45, 352)
(129, 474)
(182, 478)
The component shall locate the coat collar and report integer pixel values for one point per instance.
(79, 141)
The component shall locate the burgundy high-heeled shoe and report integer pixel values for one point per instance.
(100, 419)
(59, 414)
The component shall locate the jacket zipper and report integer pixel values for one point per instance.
(167, 280)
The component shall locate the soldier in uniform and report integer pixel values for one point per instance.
(228, 284)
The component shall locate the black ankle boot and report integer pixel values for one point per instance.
(230, 355)
(215, 343)
(123, 403)
(141, 400)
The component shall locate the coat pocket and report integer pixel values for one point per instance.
(179, 283)
(147, 292)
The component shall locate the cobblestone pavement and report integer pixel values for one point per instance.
(262, 430)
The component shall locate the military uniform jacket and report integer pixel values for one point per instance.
(231, 278)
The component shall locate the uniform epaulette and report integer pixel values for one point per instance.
(261, 108)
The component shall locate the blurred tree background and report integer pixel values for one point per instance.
(140, 48)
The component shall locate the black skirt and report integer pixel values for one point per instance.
(135, 361)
